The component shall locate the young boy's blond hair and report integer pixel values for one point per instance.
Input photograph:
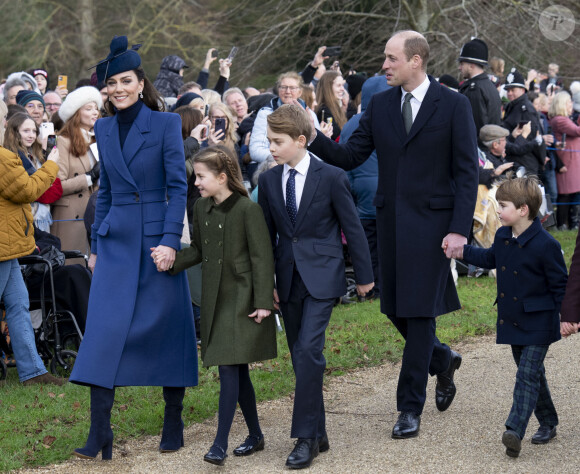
(292, 120)
(520, 191)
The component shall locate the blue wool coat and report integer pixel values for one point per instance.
(531, 282)
(140, 328)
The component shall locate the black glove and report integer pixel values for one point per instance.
(95, 172)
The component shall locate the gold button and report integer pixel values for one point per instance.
(515, 298)
(220, 243)
(206, 241)
(503, 268)
(220, 261)
(220, 226)
(206, 223)
(507, 242)
(501, 295)
(501, 321)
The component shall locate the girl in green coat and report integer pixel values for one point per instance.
(231, 240)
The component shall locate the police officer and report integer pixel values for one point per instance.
(530, 151)
(477, 87)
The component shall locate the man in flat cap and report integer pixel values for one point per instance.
(493, 139)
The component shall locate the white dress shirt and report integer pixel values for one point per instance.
(418, 96)
(299, 178)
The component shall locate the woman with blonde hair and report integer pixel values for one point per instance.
(331, 95)
(220, 111)
(79, 169)
(568, 176)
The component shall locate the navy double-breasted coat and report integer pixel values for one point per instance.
(531, 282)
(140, 328)
(427, 188)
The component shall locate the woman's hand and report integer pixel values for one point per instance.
(225, 68)
(326, 128)
(92, 262)
(563, 169)
(163, 256)
(198, 132)
(215, 138)
(259, 314)
(53, 155)
(501, 168)
(62, 91)
(209, 58)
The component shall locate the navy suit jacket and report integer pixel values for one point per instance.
(531, 282)
(427, 188)
(314, 243)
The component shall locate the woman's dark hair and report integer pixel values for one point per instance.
(151, 97)
(190, 118)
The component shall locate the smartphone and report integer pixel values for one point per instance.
(521, 123)
(46, 129)
(205, 132)
(214, 53)
(206, 110)
(50, 144)
(563, 141)
(220, 124)
(333, 51)
(62, 81)
(232, 54)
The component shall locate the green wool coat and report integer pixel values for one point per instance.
(232, 242)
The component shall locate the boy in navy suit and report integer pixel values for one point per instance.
(306, 203)
(531, 281)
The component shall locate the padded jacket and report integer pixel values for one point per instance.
(17, 191)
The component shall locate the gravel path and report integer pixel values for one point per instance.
(361, 413)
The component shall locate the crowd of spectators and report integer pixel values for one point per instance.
(527, 123)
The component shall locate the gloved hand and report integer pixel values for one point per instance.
(95, 172)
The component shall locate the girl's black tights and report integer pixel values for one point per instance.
(236, 387)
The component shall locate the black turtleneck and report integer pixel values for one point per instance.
(126, 117)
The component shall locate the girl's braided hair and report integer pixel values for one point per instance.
(220, 159)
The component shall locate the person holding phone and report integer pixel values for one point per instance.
(223, 127)
(21, 138)
(79, 168)
(332, 100)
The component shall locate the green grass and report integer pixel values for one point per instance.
(42, 425)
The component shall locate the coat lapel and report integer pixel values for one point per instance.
(396, 116)
(310, 185)
(135, 138)
(279, 202)
(113, 147)
(428, 107)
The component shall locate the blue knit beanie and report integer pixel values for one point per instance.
(25, 96)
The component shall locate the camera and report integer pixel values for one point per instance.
(214, 53)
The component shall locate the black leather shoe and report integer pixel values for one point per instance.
(303, 453)
(512, 442)
(445, 388)
(323, 444)
(215, 455)
(544, 434)
(250, 446)
(407, 426)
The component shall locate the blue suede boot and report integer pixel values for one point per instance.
(172, 436)
(100, 434)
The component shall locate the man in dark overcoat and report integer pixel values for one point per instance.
(425, 139)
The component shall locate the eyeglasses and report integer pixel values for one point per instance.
(213, 118)
(49, 105)
(288, 88)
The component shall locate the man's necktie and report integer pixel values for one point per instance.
(291, 196)
(407, 112)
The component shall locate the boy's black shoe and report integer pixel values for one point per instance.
(303, 453)
(512, 442)
(544, 434)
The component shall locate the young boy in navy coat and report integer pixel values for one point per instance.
(306, 203)
(531, 281)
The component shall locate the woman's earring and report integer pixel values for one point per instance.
(141, 94)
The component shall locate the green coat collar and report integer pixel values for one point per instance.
(224, 206)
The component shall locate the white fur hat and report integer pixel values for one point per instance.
(78, 98)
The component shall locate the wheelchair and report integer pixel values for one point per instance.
(58, 336)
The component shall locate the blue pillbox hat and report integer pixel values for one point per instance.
(120, 59)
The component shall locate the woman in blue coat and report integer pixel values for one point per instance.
(140, 328)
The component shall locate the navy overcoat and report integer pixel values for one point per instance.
(140, 328)
(531, 282)
(427, 188)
